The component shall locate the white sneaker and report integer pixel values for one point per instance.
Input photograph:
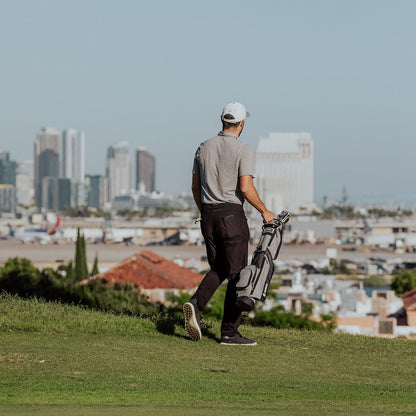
(192, 320)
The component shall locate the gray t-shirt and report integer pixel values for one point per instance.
(220, 162)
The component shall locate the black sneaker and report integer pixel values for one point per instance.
(192, 320)
(237, 339)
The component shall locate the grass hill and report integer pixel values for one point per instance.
(65, 360)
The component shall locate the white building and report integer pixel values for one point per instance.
(284, 171)
(24, 183)
(73, 166)
(117, 168)
(73, 155)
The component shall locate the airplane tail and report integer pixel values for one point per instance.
(57, 225)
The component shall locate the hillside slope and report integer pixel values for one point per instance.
(59, 359)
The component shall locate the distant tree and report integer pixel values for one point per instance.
(70, 275)
(81, 269)
(403, 282)
(18, 275)
(95, 270)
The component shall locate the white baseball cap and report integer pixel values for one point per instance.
(237, 110)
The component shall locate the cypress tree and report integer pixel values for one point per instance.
(81, 270)
(84, 258)
(78, 257)
(70, 275)
(95, 270)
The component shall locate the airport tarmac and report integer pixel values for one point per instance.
(110, 254)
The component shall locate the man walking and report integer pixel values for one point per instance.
(222, 179)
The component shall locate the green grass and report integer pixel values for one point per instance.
(65, 360)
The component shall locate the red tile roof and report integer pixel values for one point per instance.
(147, 270)
(409, 300)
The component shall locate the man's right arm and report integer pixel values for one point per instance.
(196, 190)
(250, 194)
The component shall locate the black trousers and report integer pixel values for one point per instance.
(226, 235)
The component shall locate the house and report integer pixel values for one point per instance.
(152, 274)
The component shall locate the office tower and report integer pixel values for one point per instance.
(73, 155)
(46, 159)
(97, 191)
(7, 198)
(24, 183)
(50, 195)
(66, 195)
(8, 169)
(117, 169)
(284, 171)
(145, 170)
(59, 192)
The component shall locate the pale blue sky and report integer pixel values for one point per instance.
(158, 73)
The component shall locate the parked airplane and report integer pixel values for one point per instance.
(42, 235)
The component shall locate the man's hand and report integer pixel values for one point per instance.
(267, 216)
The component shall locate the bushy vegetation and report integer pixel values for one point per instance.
(404, 281)
(381, 212)
(20, 277)
(336, 268)
(349, 212)
(145, 212)
(375, 280)
(279, 318)
(84, 211)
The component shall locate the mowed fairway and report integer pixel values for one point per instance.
(65, 360)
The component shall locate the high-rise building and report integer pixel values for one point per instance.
(8, 169)
(145, 170)
(284, 171)
(117, 169)
(97, 191)
(7, 198)
(60, 192)
(46, 159)
(73, 155)
(24, 183)
(66, 194)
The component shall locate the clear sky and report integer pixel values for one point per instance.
(157, 74)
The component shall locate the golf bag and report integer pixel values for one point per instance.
(255, 279)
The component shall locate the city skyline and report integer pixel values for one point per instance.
(387, 200)
(151, 75)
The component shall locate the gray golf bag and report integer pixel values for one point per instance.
(255, 279)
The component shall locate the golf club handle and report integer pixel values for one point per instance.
(283, 217)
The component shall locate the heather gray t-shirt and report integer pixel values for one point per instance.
(221, 161)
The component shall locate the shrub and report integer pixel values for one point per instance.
(20, 277)
(403, 282)
(279, 318)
